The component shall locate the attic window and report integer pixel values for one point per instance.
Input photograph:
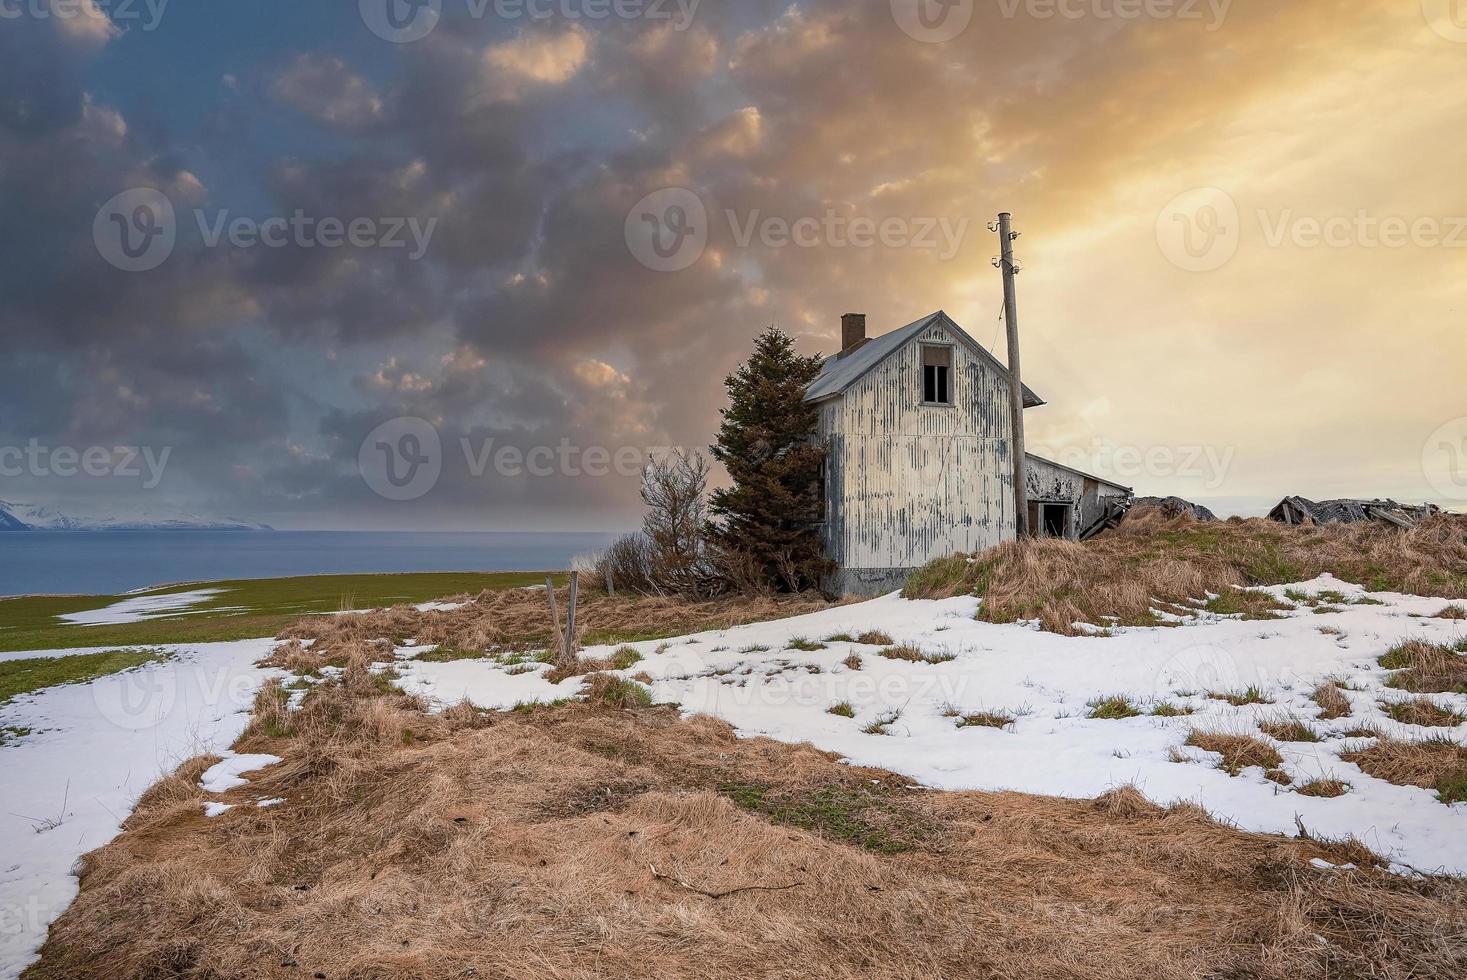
(937, 363)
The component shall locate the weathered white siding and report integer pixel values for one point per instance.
(907, 482)
(1049, 482)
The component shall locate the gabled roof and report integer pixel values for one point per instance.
(839, 373)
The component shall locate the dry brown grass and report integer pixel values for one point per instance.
(1239, 752)
(1326, 788)
(875, 638)
(1288, 729)
(581, 841)
(913, 654)
(986, 719)
(1436, 763)
(1152, 561)
(1332, 700)
(519, 619)
(1453, 611)
(1423, 668)
(1422, 711)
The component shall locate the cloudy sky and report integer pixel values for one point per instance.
(253, 235)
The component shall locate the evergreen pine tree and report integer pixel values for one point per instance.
(769, 516)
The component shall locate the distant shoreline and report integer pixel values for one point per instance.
(103, 563)
(204, 583)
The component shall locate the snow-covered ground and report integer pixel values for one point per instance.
(92, 751)
(95, 747)
(1046, 681)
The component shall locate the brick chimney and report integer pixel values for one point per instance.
(852, 332)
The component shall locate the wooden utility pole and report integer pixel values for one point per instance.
(1006, 237)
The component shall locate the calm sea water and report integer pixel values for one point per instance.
(107, 562)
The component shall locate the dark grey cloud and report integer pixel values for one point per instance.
(528, 320)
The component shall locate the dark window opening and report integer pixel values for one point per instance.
(937, 375)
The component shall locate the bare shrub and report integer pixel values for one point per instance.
(670, 555)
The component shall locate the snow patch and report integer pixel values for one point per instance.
(95, 748)
(139, 608)
(226, 775)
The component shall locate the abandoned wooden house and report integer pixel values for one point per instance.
(918, 431)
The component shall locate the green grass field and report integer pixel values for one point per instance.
(245, 609)
(19, 677)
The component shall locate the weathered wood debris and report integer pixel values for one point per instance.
(1110, 517)
(1297, 510)
(1176, 507)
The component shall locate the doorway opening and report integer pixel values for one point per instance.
(1056, 520)
(1049, 520)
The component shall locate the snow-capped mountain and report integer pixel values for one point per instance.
(20, 516)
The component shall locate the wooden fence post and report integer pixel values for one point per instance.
(570, 649)
(555, 622)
